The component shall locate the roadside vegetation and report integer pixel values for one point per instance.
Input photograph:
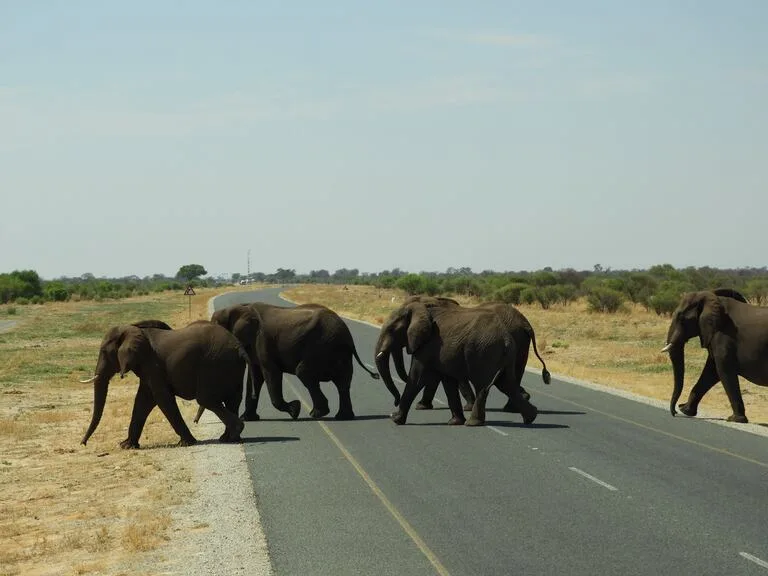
(72, 509)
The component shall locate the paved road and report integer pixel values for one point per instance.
(597, 485)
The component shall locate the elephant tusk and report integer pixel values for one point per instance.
(667, 347)
(379, 355)
(91, 379)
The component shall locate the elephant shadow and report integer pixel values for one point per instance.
(549, 412)
(498, 424)
(357, 418)
(244, 440)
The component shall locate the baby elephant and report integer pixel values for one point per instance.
(202, 362)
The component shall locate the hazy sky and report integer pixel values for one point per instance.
(139, 136)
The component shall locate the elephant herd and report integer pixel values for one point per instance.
(469, 349)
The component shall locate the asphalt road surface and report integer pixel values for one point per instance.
(599, 484)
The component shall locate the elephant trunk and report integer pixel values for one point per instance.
(382, 366)
(677, 356)
(100, 388)
(397, 356)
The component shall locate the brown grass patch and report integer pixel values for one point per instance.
(617, 350)
(72, 509)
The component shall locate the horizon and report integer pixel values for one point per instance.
(494, 135)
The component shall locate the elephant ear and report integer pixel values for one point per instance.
(130, 348)
(711, 317)
(419, 328)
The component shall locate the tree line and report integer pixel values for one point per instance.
(658, 288)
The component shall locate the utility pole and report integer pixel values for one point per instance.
(248, 277)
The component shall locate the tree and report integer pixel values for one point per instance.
(189, 272)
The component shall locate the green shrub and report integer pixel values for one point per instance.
(11, 310)
(36, 300)
(664, 302)
(603, 299)
(511, 293)
(21, 301)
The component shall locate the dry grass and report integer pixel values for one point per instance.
(618, 350)
(72, 509)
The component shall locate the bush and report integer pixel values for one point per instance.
(11, 310)
(411, 283)
(21, 301)
(511, 293)
(528, 296)
(603, 299)
(664, 302)
(36, 300)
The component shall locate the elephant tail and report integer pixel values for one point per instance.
(545, 375)
(373, 374)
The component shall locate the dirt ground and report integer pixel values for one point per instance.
(72, 509)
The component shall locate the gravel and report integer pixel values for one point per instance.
(218, 529)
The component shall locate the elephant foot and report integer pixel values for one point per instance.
(530, 415)
(294, 407)
(250, 415)
(687, 409)
(319, 412)
(398, 418)
(345, 415)
(456, 421)
(424, 406)
(740, 418)
(191, 441)
(129, 444)
(473, 421)
(510, 407)
(524, 393)
(229, 438)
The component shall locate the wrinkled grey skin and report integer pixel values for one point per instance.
(517, 325)
(202, 362)
(310, 341)
(452, 343)
(735, 335)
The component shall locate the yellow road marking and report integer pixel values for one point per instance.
(657, 430)
(407, 528)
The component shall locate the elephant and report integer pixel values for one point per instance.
(310, 341)
(453, 343)
(519, 329)
(202, 361)
(735, 334)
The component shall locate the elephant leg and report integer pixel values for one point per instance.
(343, 382)
(428, 396)
(233, 426)
(143, 404)
(307, 376)
(730, 379)
(166, 401)
(707, 379)
(469, 395)
(454, 402)
(417, 379)
(250, 413)
(274, 379)
(521, 360)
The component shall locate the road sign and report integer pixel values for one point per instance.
(189, 291)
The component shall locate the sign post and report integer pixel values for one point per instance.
(189, 292)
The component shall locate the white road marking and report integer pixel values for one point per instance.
(497, 430)
(590, 477)
(754, 559)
